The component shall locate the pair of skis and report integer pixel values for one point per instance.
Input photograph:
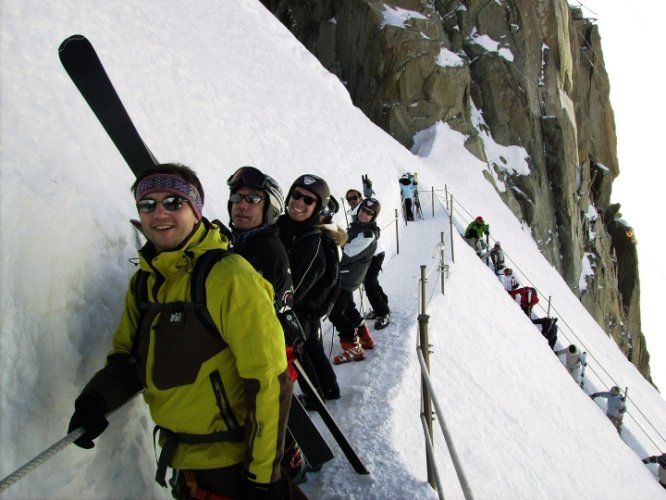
(84, 67)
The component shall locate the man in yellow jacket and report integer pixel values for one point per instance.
(220, 393)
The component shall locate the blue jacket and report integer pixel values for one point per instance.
(615, 406)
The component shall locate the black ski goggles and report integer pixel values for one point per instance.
(247, 176)
(297, 195)
(170, 203)
(252, 198)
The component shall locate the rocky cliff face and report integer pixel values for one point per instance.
(525, 73)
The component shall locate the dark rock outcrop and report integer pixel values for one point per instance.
(534, 71)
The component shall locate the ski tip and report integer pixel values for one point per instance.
(71, 39)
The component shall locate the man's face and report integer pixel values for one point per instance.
(365, 214)
(301, 209)
(167, 229)
(353, 198)
(245, 215)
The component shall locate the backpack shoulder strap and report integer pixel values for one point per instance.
(198, 286)
(141, 288)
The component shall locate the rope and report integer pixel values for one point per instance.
(50, 452)
(47, 454)
(390, 222)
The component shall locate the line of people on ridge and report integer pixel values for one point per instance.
(527, 298)
(232, 309)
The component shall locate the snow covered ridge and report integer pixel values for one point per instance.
(399, 17)
(491, 45)
(66, 247)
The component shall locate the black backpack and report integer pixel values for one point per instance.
(325, 292)
(197, 290)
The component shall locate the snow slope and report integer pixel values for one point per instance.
(221, 85)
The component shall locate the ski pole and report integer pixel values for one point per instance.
(344, 210)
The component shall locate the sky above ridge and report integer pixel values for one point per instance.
(629, 35)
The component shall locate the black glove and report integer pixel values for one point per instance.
(593, 395)
(89, 413)
(271, 491)
(646, 460)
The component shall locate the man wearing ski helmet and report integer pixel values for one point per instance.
(302, 236)
(255, 204)
(356, 256)
(164, 349)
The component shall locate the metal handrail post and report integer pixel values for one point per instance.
(453, 255)
(442, 265)
(467, 491)
(427, 400)
(433, 202)
(397, 234)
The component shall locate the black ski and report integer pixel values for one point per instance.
(84, 67)
(313, 445)
(332, 425)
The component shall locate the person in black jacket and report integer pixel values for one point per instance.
(255, 203)
(356, 256)
(301, 235)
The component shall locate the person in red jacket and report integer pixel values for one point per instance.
(528, 298)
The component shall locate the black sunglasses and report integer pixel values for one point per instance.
(308, 200)
(352, 198)
(250, 198)
(170, 203)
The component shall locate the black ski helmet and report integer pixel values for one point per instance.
(318, 186)
(330, 210)
(254, 178)
(371, 204)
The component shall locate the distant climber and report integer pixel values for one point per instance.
(528, 298)
(661, 460)
(509, 282)
(615, 407)
(548, 329)
(572, 361)
(474, 234)
(408, 194)
(496, 255)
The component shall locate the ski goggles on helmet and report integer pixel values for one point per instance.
(252, 198)
(170, 203)
(368, 211)
(297, 195)
(247, 176)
